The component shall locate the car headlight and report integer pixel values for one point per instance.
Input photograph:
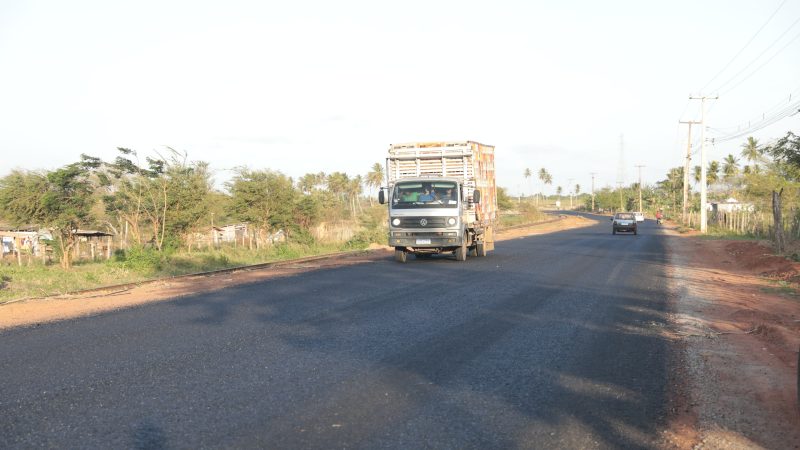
(451, 221)
(396, 222)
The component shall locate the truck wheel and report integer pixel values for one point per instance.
(481, 249)
(461, 252)
(400, 256)
(473, 251)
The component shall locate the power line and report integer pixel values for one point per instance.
(786, 112)
(747, 66)
(791, 41)
(773, 109)
(745, 46)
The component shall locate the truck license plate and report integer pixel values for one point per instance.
(423, 241)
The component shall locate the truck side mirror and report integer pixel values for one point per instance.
(476, 196)
(381, 197)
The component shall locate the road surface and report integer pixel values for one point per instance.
(550, 341)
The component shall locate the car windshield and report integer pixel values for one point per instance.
(423, 194)
(625, 216)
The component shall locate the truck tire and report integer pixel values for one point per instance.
(461, 252)
(400, 256)
(480, 248)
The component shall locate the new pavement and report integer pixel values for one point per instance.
(550, 341)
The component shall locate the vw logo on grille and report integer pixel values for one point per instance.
(423, 222)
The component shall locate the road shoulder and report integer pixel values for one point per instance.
(737, 331)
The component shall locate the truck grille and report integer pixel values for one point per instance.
(423, 222)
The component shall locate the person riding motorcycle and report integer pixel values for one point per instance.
(659, 217)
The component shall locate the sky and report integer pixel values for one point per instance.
(572, 86)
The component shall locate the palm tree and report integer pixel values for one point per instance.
(697, 173)
(527, 174)
(374, 178)
(577, 189)
(543, 178)
(558, 192)
(730, 166)
(753, 152)
(712, 172)
(548, 179)
(354, 189)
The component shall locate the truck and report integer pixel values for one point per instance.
(442, 198)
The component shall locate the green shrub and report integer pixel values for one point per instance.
(368, 236)
(139, 259)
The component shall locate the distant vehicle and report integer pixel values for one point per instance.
(639, 216)
(623, 222)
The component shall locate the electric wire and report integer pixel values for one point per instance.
(769, 47)
(763, 64)
(768, 112)
(745, 46)
(791, 110)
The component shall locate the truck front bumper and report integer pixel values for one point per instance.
(424, 239)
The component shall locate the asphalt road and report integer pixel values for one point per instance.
(550, 341)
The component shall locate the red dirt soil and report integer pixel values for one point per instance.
(738, 321)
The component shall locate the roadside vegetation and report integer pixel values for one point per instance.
(166, 218)
(753, 188)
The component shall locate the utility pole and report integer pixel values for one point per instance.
(686, 166)
(703, 175)
(639, 166)
(570, 192)
(593, 174)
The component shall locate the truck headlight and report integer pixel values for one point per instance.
(451, 221)
(396, 222)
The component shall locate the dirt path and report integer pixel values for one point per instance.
(738, 326)
(38, 311)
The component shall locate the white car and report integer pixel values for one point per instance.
(639, 216)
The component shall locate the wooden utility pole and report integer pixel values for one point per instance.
(686, 166)
(639, 166)
(593, 174)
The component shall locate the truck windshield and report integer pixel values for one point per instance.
(434, 194)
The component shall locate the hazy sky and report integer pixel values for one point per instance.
(324, 86)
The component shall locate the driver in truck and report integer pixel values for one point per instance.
(427, 196)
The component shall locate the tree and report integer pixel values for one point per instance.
(354, 190)
(167, 195)
(786, 152)
(697, 172)
(264, 198)
(374, 178)
(543, 177)
(752, 152)
(60, 200)
(577, 189)
(672, 186)
(730, 167)
(712, 172)
(504, 202)
(527, 174)
(559, 190)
